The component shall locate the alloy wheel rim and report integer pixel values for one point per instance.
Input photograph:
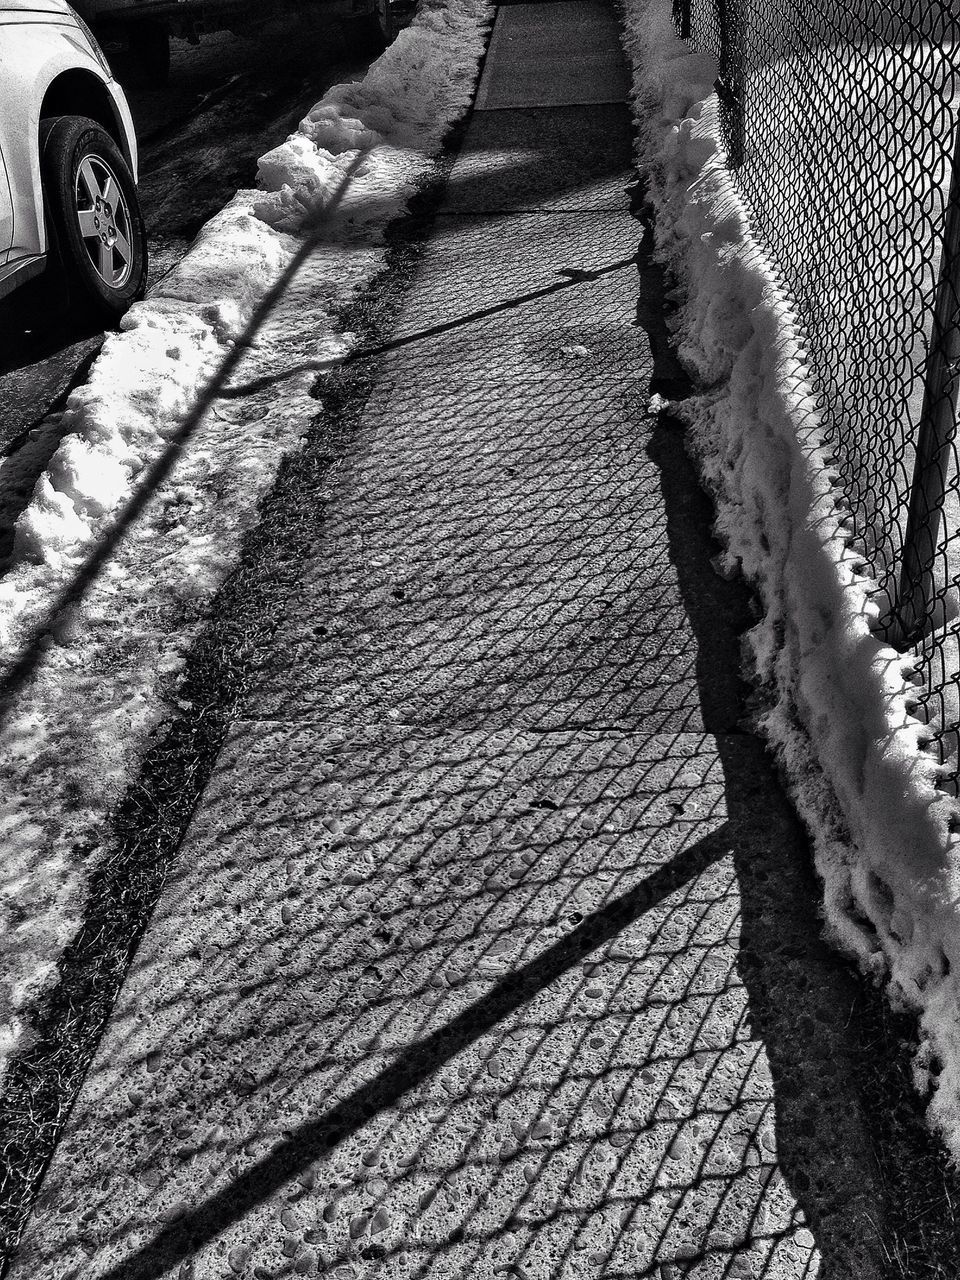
(104, 220)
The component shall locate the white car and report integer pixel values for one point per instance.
(68, 162)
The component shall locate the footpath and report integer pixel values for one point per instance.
(492, 949)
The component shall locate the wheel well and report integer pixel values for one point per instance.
(78, 93)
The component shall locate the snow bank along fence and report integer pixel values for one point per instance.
(839, 120)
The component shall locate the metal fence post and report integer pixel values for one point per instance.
(730, 82)
(681, 17)
(935, 434)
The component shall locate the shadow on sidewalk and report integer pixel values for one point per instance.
(873, 1181)
(487, 860)
(41, 1084)
(516, 872)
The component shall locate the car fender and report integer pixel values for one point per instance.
(32, 56)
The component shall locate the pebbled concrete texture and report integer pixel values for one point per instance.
(492, 949)
(514, 161)
(454, 566)
(441, 1004)
(554, 55)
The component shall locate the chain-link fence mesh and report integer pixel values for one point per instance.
(839, 119)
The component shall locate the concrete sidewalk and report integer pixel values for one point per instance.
(492, 949)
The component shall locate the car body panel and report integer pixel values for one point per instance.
(14, 274)
(34, 6)
(6, 213)
(38, 45)
(33, 11)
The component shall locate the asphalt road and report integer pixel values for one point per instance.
(228, 100)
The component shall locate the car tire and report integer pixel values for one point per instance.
(94, 215)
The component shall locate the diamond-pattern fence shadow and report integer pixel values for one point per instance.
(489, 953)
(492, 951)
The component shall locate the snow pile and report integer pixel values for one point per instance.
(839, 699)
(401, 108)
(72, 740)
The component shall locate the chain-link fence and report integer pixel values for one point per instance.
(839, 120)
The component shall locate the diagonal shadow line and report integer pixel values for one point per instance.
(160, 469)
(318, 1137)
(574, 276)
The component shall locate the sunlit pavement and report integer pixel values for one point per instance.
(492, 949)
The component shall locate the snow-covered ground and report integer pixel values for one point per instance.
(71, 741)
(840, 701)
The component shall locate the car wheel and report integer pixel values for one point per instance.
(91, 202)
